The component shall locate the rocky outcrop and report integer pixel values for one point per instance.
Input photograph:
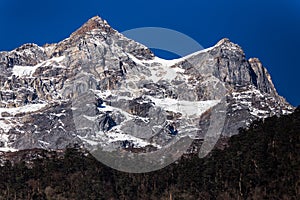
(262, 78)
(26, 55)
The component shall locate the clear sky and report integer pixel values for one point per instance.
(267, 29)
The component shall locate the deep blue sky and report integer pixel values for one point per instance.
(268, 29)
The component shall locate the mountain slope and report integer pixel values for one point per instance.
(99, 87)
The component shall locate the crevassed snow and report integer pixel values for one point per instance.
(27, 71)
(21, 71)
(187, 108)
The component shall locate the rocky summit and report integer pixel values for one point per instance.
(98, 87)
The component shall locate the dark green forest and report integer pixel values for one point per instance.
(262, 162)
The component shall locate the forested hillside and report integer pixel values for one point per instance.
(260, 163)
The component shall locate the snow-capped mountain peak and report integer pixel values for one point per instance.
(99, 87)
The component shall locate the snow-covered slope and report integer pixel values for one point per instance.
(98, 87)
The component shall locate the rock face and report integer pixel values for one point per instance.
(98, 86)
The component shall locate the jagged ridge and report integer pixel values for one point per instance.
(37, 87)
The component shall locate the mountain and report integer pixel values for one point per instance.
(99, 87)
